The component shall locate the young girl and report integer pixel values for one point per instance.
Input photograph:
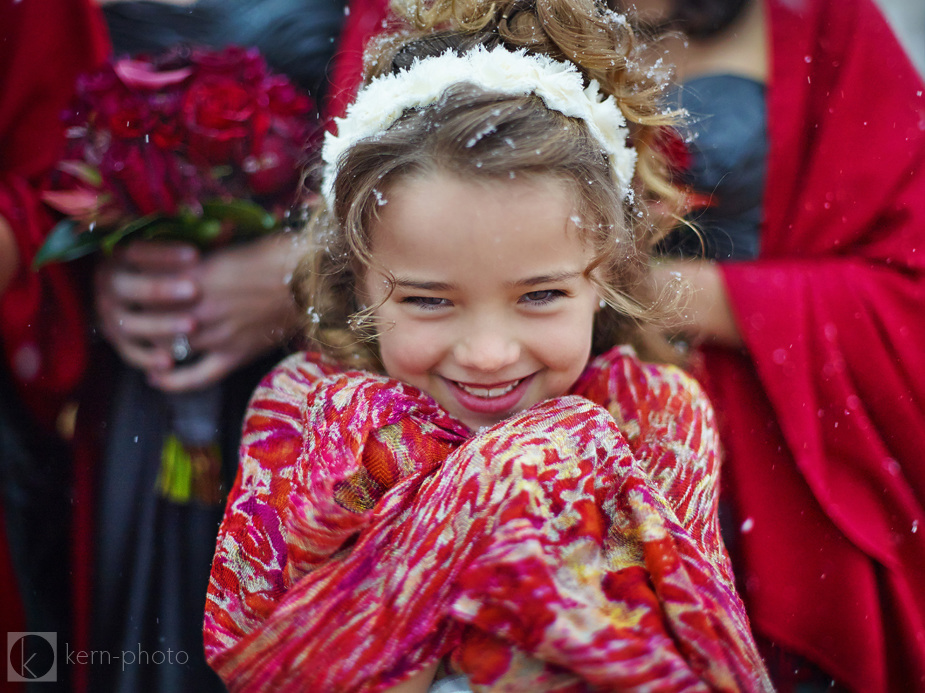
(494, 490)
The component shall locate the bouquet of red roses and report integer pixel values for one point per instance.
(198, 145)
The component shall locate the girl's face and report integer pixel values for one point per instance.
(492, 311)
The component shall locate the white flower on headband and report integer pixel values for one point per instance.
(513, 73)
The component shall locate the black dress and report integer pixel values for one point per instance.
(153, 556)
(727, 141)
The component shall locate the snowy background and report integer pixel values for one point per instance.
(908, 20)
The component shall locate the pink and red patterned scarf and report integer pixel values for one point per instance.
(571, 547)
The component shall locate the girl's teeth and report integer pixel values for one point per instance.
(488, 393)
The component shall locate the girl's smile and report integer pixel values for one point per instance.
(491, 309)
(490, 399)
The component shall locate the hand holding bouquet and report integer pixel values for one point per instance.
(195, 145)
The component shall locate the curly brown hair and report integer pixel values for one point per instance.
(470, 132)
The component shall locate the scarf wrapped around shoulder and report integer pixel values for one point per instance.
(823, 418)
(44, 47)
(571, 546)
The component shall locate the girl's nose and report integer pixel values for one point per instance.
(487, 350)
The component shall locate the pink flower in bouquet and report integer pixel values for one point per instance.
(143, 75)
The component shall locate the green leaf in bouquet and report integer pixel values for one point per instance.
(68, 240)
(246, 217)
(166, 228)
(206, 232)
(140, 224)
(185, 227)
(196, 229)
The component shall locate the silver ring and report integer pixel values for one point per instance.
(180, 348)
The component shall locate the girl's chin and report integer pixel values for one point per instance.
(478, 423)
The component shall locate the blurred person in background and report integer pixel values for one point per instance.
(806, 157)
(44, 45)
(232, 308)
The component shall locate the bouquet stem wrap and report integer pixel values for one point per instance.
(191, 463)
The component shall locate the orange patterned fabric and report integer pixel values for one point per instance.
(571, 547)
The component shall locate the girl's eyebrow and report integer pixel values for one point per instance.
(406, 283)
(401, 282)
(547, 279)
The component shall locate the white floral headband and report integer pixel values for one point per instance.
(518, 73)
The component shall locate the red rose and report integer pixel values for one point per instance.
(274, 169)
(167, 131)
(285, 100)
(219, 115)
(146, 178)
(129, 118)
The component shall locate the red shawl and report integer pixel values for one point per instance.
(365, 19)
(824, 418)
(369, 534)
(46, 44)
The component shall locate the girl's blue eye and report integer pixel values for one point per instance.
(541, 298)
(426, 302)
